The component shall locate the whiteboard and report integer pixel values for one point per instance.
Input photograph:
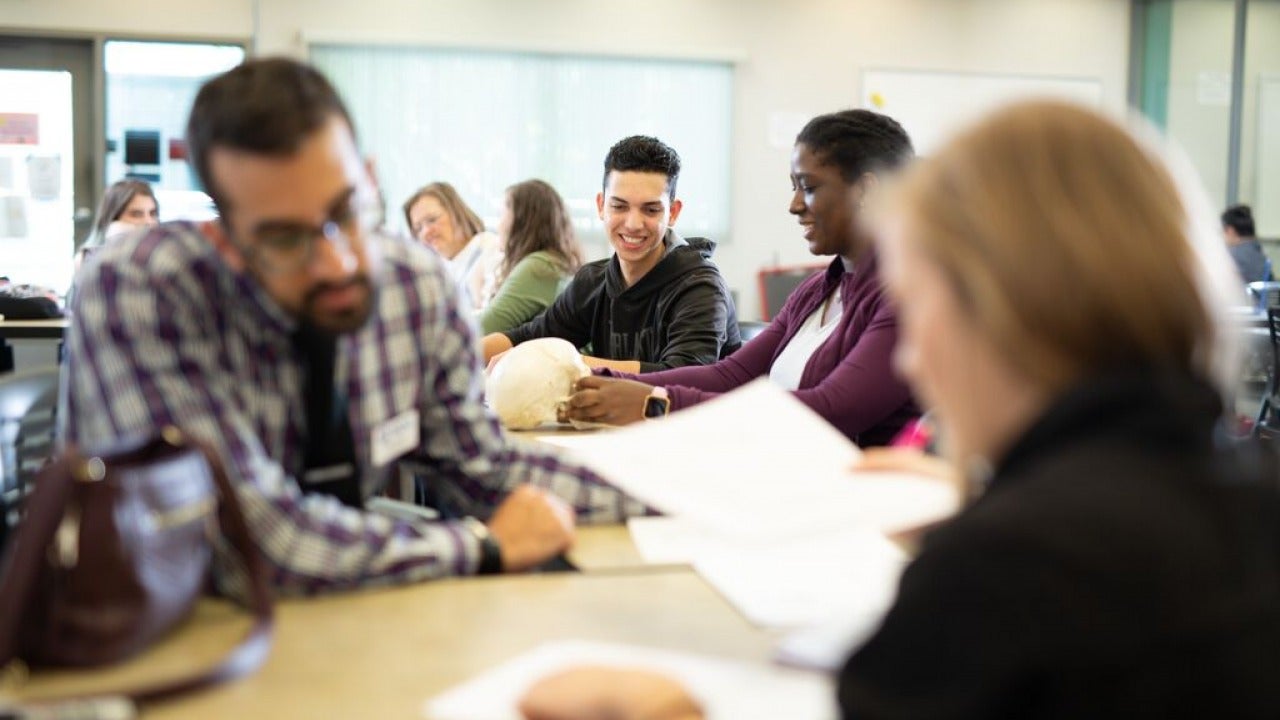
(1266, 205)
(931, 105)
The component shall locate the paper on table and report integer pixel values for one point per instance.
(837, 575)
(757, 463)
(671, 541)
(729, 690)
(825, 646)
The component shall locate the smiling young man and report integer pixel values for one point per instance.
(314, 354)
(659, 302)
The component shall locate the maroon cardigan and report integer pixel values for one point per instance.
(849, 379)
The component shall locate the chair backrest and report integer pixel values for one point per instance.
(776, 285)
(28, 407)
(750, 329)
(1266, 294)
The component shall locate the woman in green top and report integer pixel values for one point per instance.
(540, 254)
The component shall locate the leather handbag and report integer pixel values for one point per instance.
(115, 550)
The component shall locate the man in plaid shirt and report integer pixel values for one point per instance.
(198, 326)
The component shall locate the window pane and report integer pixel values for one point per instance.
(149, 90)
(484, 120)
(36, 157)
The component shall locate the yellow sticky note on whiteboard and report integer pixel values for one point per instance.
(877, 100)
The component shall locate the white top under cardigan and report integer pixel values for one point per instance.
(789, 366)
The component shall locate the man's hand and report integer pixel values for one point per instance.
(531, 527)
(612, 401)
(492, 345)
(598, 693)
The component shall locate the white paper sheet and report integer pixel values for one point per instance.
(44, 177)
(729, 690)
(842, 581)
(804, 582)
(6, 174)
(673, 541)
(757, 463)
(13, 216)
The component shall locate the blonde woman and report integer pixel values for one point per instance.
(438, 218)
(1058, 318)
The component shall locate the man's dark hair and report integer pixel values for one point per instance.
(1240, 219)
(857, 141)
(642, 153)
(266, 106)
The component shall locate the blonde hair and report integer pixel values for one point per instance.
(1068, 244)
(465, 220)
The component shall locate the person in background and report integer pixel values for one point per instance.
(540, 253)
(832, 341)
(438, 218)
(659, 301)
(1238, 228)
(1118, 563)
(127, 205)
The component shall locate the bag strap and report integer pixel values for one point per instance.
(41, 523)
(43, 511)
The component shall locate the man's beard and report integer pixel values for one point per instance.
(340, 323)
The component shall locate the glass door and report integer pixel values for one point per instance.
(46, 167)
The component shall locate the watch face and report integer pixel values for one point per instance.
(656, 407)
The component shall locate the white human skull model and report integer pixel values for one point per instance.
(531, 379)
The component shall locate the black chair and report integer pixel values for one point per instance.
(1269, 412)
(28, 407)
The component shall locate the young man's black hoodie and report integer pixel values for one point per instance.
(680, 313)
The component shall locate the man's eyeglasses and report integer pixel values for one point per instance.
(288, 249)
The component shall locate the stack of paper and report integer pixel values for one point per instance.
(728, 690)
(762, 502)
(756, 463)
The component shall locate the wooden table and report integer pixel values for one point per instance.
(383, 653)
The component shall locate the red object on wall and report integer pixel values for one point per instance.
(177, 149)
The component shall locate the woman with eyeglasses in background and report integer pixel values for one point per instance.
(438, 217)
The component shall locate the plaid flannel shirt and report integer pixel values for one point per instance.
(164, 332)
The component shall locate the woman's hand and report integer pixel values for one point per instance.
(611, 401)
(599, 693)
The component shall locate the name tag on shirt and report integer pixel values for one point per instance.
(395, 437)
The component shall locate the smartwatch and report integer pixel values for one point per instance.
(490, 551)
(658, 404)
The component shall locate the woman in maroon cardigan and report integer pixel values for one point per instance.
(833, 341)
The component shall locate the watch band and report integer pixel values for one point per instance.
(490, 550)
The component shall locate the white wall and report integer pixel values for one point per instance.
(1199, 109)
(801, 57)
(222, 19)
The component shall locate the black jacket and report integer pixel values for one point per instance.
(1118, 566)
(680, 313)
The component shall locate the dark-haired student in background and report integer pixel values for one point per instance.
(832, 343)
